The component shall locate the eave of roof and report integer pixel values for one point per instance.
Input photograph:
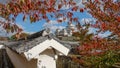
(33, 40)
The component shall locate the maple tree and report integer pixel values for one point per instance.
(96, 51)
(37, 10)
(102, 52)
(106, 12)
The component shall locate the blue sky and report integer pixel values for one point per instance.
(37, 26)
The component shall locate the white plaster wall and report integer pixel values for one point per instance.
(20, 61)
(46, 59)
(1, 46)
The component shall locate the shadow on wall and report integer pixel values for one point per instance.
(5, 60)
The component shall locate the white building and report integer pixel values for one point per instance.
(40, 50)
(68, 31)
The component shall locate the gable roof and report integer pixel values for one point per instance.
(33, 40)
(40, 48)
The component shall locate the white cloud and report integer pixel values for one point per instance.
(3, 32)
(53, 22)
(53, 28)
(102, 34)
(87, 20)
(28, 32)
(66, 7)
(92, 30)
(53, 25)
(105, 34)
(49, 25)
